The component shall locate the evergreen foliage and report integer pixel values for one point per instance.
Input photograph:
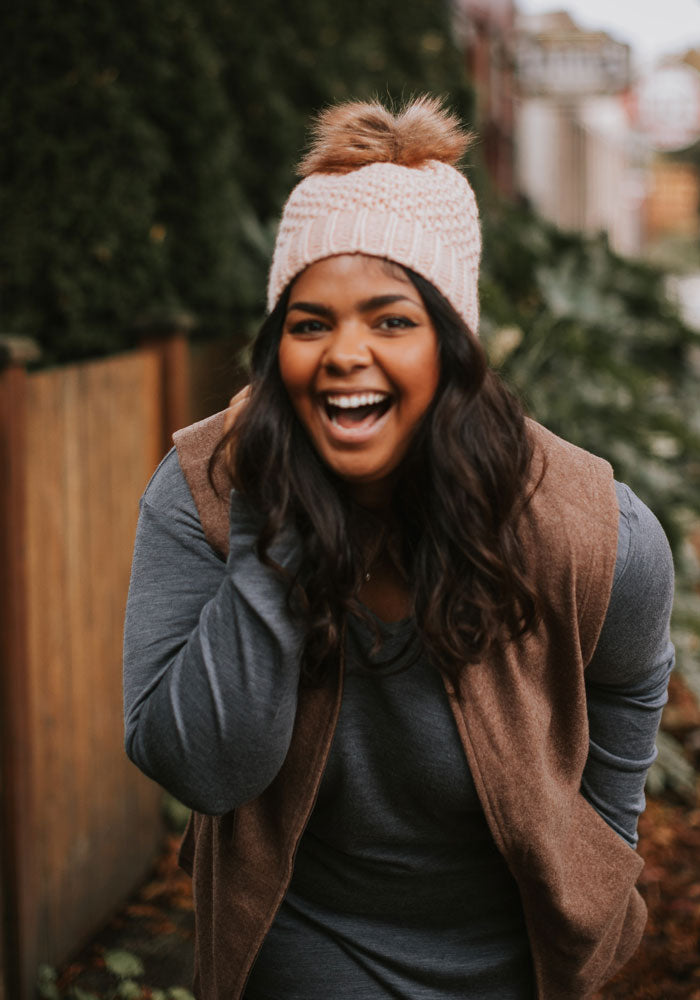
(149, 148)
(600, 357)
(105, 112)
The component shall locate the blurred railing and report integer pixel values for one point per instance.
(79, 824)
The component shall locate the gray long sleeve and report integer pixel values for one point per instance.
(210, 653)
(627, 678)
(211, 658)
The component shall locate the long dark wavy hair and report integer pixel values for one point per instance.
(456, 504)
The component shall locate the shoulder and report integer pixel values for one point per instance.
(634, 644)
(182, 478)
(201, 438)
(644, 560)
(207, 476)
(570, 531)
(572, 497)
(168, 507)
(567, 470)
(167, 490)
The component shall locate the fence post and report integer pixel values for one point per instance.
(176, 385)
(17, 874)
(168, 335)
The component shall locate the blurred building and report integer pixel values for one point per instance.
(664, 109)
(665, 104)
(487, 29)
(562, 120)
(577, 159)
(671, 205)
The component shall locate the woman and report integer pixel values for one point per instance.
(409, 672)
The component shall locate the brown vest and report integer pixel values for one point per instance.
(522, 720)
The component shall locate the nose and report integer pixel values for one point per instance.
(348, 349)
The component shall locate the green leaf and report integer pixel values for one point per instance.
(179, 993)
(129, 990)
(77, 994)
(46, 983)
(123, 964)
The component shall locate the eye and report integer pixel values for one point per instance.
(307, 327)
(396, 323)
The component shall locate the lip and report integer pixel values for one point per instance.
(350, 435)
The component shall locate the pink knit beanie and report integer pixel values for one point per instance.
(384, 185)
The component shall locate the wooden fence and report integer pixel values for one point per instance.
(80, 824)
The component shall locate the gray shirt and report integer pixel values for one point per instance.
(211, 673)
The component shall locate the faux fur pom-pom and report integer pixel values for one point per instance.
(355, 134)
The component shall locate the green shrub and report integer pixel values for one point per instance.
(147, 149)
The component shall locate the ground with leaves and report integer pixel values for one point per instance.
(145, 953)
(667, 965)
(146, 950)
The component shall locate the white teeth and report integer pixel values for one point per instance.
(362, 399)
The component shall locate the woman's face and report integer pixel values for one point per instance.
(359, 359)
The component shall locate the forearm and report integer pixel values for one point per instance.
(623, 725)
(210, 665)
(627, 677)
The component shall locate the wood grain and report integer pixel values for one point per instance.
(80, 825)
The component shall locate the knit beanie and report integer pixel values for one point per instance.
(385, 185)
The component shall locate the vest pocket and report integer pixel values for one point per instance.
(601, 866)
(584, 915)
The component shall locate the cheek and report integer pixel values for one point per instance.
(297, 372)
(294, 369)
(422, 377)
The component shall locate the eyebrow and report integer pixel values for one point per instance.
(366, 305)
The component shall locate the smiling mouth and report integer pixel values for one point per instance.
(359, 410)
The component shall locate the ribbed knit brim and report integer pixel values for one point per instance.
(423, 217)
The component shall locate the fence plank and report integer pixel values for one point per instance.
(17, 874)
(175, 353)
(79, 823)
(93, 436)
